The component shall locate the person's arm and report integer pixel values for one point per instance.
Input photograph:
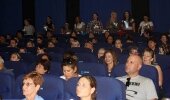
(160, 75)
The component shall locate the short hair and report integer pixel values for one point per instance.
(36, 77)
(45, 63)
(93, 84)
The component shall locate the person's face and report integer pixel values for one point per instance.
(77, 19)
(163, 39)
(134, 52)
(88, 45)
(118, 44)
(151, 44)
(48, 19)
(127, 14)
(13, 43)
(145, 18)
(95, 17)
(14, 57)
(40, 69)
(147, 58)
(26, 22)
(68, 72)
(132, 65)
(108, 58)
(83, 89)
(110, 40)
(29, 88)
(113, 15)
(39, 41)
(101, 53)
(30, 45)
(75, 44)
(51, 45)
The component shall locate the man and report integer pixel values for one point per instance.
(138, 87)
(3, 69)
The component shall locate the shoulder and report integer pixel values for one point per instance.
(37, 97)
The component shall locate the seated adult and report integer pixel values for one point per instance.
(43, 66)
(69, 66)
(31, 84)
(15, 57)
(86, 88)
(138, 87)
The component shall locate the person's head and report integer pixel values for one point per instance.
(118, 43)
(110, 57)
(134, 50)
(133, 65)
(75, 44)
(152, 43)
(89, 44)
(69, 66)
(1, 63)
(27, 22)
(39, 40)
(31, 84)
(43, 66)
(45, 56)
(86, 88)
(95, 16)
(70, 54)
(77, 20)
(101, 52)
(126, 15)
(113, 15)
(30, 44)
(49, 19)
(164, 38)
(148, 56)
(50, 44)
(40, 50)
(13, 43)
(110, 39)
(15, 57)
(146, 18)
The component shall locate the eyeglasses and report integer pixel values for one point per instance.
(128, 82)
(28, 84)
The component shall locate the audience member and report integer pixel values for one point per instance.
(86, 88)
(79, 26)
(149, 59)
(70, 68)
(31, 84)
(110, 59)
(15, 57)
(49, 25)
(152, 44)
(164, 47)
(145, 27)
(43, 66)
(138, 87)
(29, 29)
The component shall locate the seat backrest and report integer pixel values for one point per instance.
(56, 69)
(94, 69)
(6, 85)
(52, 88)
(107, 88)
(86, 57)
(80, 50)
(18, 67)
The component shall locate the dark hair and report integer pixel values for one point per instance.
(45, 63)
(69, 61)
(152, 39)
(93, 84)
(114, 55)
(70, 54)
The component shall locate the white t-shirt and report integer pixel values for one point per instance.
(140, 88)
(144, 25)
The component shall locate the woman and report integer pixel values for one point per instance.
(31, 84)
(86, 88)
(145, 27)
(15, 57)
(49, 25)
(119, 45)
(79, 26)
(164, 47)
(110, 59)
(28, 28)
(113, 25)
(128, 23)
(148, 59)
(69, 66)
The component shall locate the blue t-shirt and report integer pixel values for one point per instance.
(36, 98)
